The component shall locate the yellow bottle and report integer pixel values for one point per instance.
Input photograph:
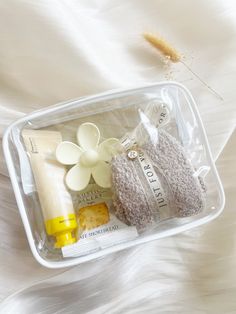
(56, 203)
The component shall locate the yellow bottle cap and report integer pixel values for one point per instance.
(64, 238)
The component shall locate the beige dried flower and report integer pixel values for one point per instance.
(163, 46)
(171, 54)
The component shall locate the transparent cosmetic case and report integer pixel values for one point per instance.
(116, 113)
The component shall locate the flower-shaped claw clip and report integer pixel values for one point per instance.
(89, 158)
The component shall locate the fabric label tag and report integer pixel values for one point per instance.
(154, 184)
(158, 114)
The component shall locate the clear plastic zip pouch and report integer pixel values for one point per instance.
(103, 173)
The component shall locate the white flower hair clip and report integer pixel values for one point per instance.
(89, 158)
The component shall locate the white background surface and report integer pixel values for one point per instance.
(52, 51)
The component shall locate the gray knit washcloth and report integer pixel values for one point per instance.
(133, 201)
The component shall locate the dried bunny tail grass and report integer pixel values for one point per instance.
(172, 54)
(164, 47)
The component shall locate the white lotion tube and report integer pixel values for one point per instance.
(56, 203)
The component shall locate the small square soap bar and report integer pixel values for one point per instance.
(93, 216)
